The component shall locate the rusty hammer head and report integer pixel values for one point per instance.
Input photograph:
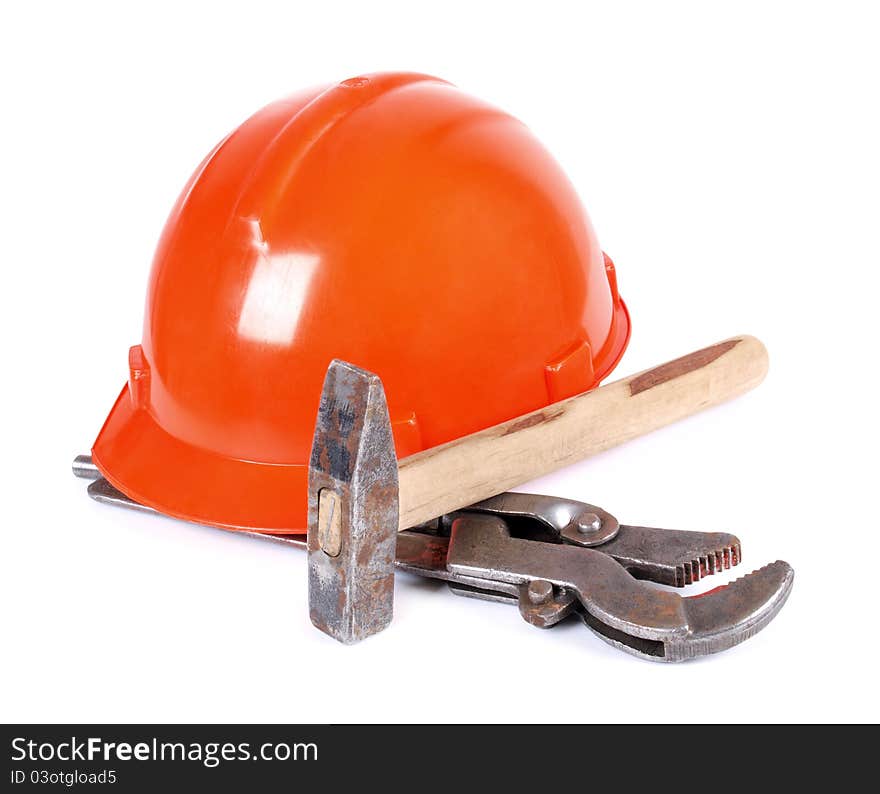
(353, 507)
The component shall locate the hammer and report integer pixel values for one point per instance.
(360, 495)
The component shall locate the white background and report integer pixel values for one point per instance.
(728, 156)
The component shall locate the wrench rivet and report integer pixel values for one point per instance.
(540, 591)
(589, 522)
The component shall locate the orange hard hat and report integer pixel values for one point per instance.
(392, 221)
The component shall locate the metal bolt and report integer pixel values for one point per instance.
(589, 522)
(540, 591)
(85, 468)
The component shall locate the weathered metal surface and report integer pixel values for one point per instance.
(570, 520)
(538, 580)
(353, 505)
(626, 612)
(667, 556)
(545, 605)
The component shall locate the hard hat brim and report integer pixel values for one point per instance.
(152, 467)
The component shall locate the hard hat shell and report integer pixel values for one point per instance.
(392, 221)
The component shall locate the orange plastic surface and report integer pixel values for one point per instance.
(392, 221)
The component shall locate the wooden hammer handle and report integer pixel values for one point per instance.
(475, 467)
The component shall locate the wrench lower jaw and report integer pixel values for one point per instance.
(717, 620)
(748, 604)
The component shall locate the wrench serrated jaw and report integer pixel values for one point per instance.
(673, 557)
(707, 564)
